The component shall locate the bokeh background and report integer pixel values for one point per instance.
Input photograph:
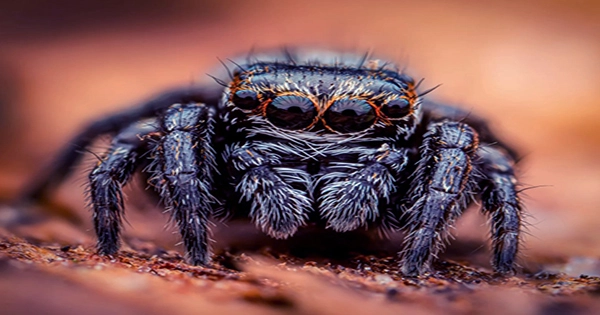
(532, 68)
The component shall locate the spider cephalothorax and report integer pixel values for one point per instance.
(336, 98)
(346, 143)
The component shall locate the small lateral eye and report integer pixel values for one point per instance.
(291, 112)
(350, 115)
(396, 108)
(246, 99)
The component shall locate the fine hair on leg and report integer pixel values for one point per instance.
(440, 192)
(183, 170)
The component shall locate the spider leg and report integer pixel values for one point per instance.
(437, 112)
(501, 201)
(277, 208)
(62, 165)
(440, 191)
(349, 201)
(107, 180)
(183, 174)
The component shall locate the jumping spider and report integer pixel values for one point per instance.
(342, 142)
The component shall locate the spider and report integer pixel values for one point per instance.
(342, 141)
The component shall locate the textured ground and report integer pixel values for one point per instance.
(71, 279)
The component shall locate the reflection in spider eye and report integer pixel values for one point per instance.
(246, 99)
(350, 115)
(396, 108)
(291, 112)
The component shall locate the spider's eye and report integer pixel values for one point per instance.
(350, 115)
(396, 108)
(246, 99)
(291, 112)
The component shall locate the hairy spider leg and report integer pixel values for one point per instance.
(71, 154)
(501, 201)
(182, 171)
(437, 112)
(440, 192)
(107, 179)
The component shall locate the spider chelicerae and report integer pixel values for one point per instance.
(342, 141)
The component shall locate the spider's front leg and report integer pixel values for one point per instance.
(439, 192)
(183, 174)
(277, 208)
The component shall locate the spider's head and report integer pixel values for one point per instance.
(321, 99)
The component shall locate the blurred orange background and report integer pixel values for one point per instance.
(532, 68)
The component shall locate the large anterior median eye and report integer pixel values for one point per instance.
(245, 99)
(291, 112)
(350, 115)
(396, 108)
